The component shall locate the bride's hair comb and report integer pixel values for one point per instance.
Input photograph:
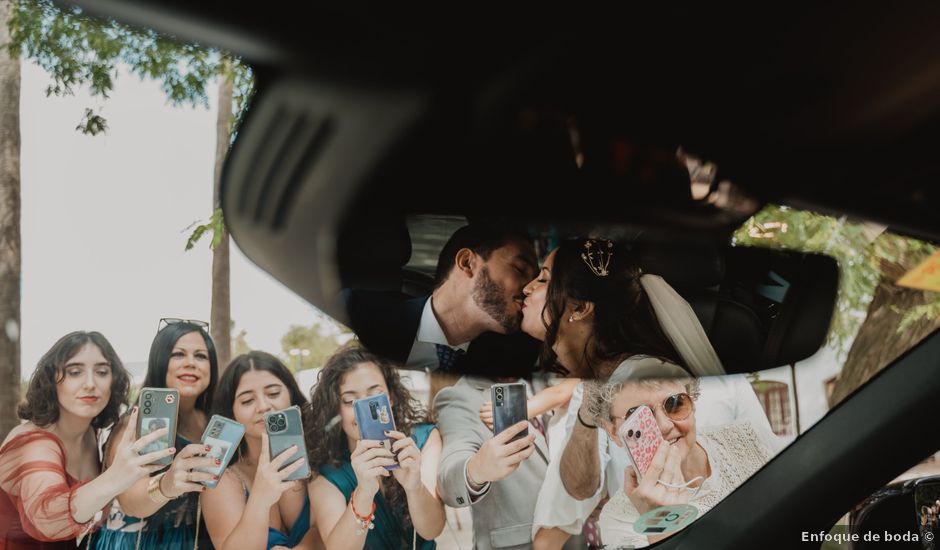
(597, 254)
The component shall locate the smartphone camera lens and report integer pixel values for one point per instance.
(374, 410)
(277, 423)
(638, 434)
(629, 433)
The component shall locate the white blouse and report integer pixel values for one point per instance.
(734, 452)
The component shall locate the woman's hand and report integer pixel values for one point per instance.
(408, 474)
(649, 493)
(128, 467)
(369, 459)
(269, 483)
(181, 478)
(486, 414)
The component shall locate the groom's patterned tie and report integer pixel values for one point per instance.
(447, 357)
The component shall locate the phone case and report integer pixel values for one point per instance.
(374, 416)
(642, 436)
(510, 406)
(284, 431)
(158, 409)
(223, 436)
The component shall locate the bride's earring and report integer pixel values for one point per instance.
(571, 318)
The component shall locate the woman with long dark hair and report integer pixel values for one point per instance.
(359, 503)
(163, 511)
(253, 506)
(52, 486)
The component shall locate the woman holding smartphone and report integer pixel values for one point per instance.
(359, 502)
(162, 511)
(599, 314)
(691, 465)
(253, 506)
(52, 485)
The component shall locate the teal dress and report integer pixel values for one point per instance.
(388, 533)
(172, 527)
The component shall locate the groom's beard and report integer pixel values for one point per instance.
(491, 298)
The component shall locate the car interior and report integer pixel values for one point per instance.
(376, 130)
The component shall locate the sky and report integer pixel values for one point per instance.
(105, 221)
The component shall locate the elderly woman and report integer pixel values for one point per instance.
(692, 467)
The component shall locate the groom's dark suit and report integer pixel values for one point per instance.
(387, 322)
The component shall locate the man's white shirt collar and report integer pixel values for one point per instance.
(430, 331)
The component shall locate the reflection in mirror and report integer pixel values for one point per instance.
(903, 514)
(759, 308)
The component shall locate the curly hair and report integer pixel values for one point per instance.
(326, 440)
(624, 323)
(599, 396)
(41, 405)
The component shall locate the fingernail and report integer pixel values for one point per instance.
(217, 462)
(386, 432)
(135, 408)
(208, 448)
(171, 450)
(215, 478)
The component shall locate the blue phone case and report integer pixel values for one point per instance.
(374, 417)
(284, 431)
(223, 435)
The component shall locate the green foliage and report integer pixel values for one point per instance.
(313, 338)
(77, 49)
(239, 342)
(216, 225)
(859, 248)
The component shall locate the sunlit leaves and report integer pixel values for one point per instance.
(76, 49)
(860, 250)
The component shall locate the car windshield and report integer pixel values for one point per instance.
(117, 218)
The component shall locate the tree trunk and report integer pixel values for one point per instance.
(221, 314)
(9, 227)
(878, 343)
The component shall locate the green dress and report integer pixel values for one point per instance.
(389, 532)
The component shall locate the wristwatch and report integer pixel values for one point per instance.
(155, 492)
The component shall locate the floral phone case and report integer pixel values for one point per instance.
(642, 436)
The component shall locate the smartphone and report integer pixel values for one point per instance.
(510, 406)
(642, 437)
(284, 431)
(374, 417)
(222, 436)
(158, 409)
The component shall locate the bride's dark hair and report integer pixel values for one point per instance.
(624, 323)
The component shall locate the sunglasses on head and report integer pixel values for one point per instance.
(676, 407)
(166, 321)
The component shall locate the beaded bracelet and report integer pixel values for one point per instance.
(365, 522)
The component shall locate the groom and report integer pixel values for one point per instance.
(470, 322)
